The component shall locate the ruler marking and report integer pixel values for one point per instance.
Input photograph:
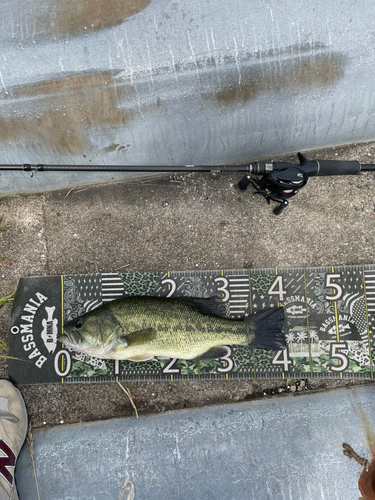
(368, 326)
(251, 312)
(278, 305)
(307, 324)
(62, 311)
(337, 322)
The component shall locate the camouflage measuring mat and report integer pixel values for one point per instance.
(329, 324)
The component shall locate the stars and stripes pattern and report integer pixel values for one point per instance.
(357, 310)
(112, 287)
(88, 288)
(370, 290)
(239, 294)
(370, 299)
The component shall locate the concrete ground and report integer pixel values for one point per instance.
(197, 221)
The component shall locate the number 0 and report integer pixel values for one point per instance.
(59, 355)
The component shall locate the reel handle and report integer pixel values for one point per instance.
(244, 183)
(278, 210)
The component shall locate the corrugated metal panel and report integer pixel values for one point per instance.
(166, 82)
(279, 449)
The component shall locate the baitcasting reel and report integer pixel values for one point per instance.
(281, 180)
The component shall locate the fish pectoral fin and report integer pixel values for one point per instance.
(139, 336)
(141, 357)
(214, 353)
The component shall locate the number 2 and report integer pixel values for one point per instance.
(173, 286)
(169, 367)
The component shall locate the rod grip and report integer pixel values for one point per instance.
(328, 167)
(338, 167)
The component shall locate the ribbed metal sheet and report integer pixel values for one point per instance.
(168, 82)
(280, 448)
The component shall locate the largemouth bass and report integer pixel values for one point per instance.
(141, 328)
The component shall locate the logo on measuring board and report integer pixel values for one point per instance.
(345, 327)
(50, 330)
(27, 328)
(295, 305)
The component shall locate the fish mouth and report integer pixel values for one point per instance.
(69, 337)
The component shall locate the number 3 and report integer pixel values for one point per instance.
(228, 361)
(223, 288)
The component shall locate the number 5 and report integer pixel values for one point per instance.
(329, 284)
(344, 361)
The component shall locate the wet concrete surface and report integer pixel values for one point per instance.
(197, 221)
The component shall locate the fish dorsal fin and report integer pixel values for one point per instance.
(214, 353)
(141, 357)
(138, 337)
(213, 305)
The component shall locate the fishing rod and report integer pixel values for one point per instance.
(276, 181)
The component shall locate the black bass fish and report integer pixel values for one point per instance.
(141, 328)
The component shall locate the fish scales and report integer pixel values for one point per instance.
(182, 331)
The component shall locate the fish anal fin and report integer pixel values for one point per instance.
(141, 357)
(214, 353)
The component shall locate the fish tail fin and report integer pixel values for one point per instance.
(268, 329)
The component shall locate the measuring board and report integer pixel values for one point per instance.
(329, 324)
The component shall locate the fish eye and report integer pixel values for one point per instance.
(79, 323)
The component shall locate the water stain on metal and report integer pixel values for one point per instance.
(116, 147)
(295, 70)
(77, 17)
(366, 482)
(61, 113)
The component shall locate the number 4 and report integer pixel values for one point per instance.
(280, 288)
(285, 360)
